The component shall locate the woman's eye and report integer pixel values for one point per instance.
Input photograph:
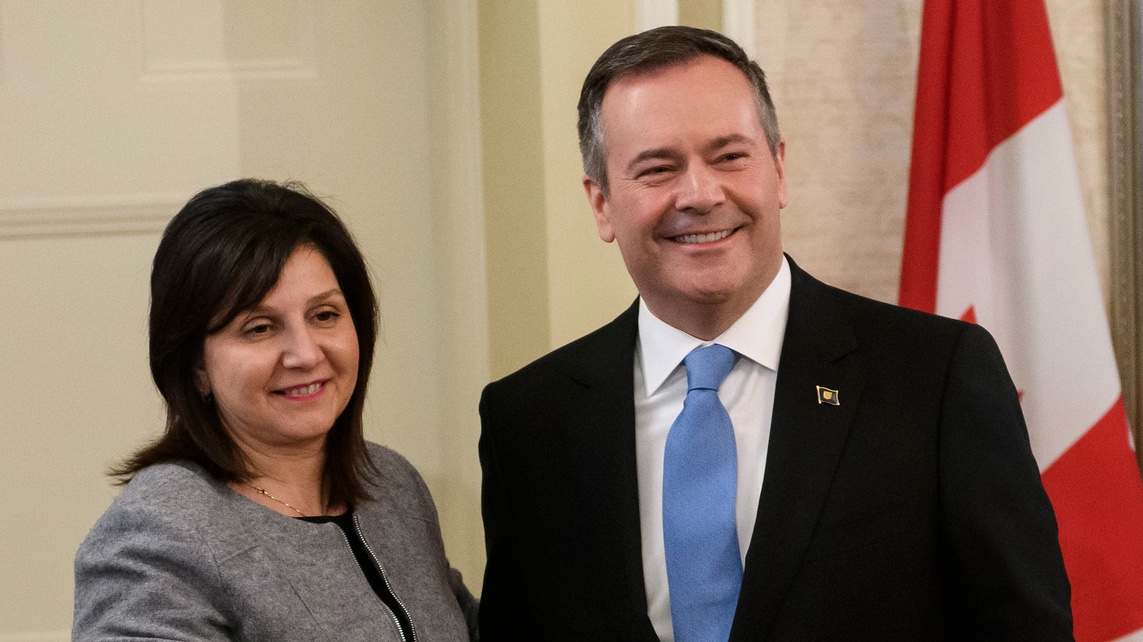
(326, 316)
(258, 330)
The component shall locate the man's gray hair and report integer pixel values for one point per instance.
(649, 51)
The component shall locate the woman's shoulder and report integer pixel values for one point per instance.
(171, 485)
(180, 473)
(394, 478)
(155, 546)
(161, 498)
(390, 463)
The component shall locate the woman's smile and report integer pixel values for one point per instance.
(299, 343)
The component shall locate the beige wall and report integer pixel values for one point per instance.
(550, 277)
(845, 104)
(459, 289)
(844, 95)
(513, 161)
(706, 14)
(587, 284)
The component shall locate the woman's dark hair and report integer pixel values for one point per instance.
(220, 255)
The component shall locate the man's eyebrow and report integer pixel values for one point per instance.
(729, 139)
(657, 153)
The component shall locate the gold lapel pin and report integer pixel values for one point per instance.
(826, 395)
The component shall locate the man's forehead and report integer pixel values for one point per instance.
(661, 86)
(662, 72)
(638, 97)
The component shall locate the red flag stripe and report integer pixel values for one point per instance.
(1097, 494)
(993, 174)
(926, 188)
(1003, 75)
(986, 70)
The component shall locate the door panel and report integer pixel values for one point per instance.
(112, 114)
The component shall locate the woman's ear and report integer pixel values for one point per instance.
(202, 382)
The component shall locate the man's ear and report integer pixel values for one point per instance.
(599, 207)
(780, 165)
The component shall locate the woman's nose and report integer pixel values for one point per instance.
(301, 350)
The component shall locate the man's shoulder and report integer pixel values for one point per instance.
(606, 353)
(867, 316)
(824, 319)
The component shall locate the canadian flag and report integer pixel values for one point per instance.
(996, 235)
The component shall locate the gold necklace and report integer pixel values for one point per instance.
(263, 491)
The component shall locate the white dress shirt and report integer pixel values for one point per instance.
(748, 394)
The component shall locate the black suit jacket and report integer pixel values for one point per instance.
(913, 510)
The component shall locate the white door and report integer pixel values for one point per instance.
(112, 114)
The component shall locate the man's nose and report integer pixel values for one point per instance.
(700, 189)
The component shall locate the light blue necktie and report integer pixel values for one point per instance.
(700, 477)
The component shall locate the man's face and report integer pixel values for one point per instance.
(695, 192)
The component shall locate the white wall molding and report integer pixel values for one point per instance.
(737, 19)
(168, 57)
(738, 24)
(87, 216)
(655, 13)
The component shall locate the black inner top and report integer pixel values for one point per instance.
(370, 567)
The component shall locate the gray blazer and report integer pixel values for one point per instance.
(181, 556)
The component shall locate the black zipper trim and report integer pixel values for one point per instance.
(397, 617)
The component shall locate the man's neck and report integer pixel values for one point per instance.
(706, 320)
(702, 322)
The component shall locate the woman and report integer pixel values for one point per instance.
(261, 513)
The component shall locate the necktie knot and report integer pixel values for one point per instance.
(707, 367)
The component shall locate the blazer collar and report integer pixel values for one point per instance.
(601, 429)
(806, 440)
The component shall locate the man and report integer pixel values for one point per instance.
(881, 485)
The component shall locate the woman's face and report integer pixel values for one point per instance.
(282, 372)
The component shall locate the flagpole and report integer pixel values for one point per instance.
(1123, 41)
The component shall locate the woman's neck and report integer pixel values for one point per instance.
(288, 481)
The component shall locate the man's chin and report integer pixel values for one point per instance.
(720, 289)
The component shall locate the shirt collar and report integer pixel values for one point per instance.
(756, 335)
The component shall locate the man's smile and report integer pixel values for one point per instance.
(704, 238)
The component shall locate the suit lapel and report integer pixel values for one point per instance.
(600, 428)
(806, 441)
